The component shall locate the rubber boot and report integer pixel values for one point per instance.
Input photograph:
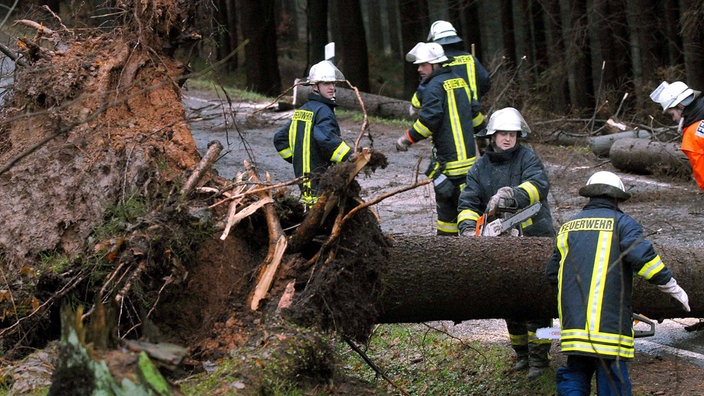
(538, 359)
(522, 361)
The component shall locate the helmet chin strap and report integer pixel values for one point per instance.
(680, 124)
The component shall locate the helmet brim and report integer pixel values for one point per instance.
(449, 40)
(599, 190)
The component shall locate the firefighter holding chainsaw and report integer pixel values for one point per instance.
(311, 141)
(596, 255)
(510, 174)
(448, 115)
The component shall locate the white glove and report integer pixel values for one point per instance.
(502, 193)
(470, 230)
(403, 143)
(673, 289)
(412, 111)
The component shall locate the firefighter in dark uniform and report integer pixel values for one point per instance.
(596, 255)
(462, 62)
(311, 141)
(511, 171)
(448, 115)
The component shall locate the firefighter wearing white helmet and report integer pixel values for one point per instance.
(311, 141)
(448, 116)
(511, 172)
(462, 62)
(597, 254)
(686, 107)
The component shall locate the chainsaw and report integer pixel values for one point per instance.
(510, 217)
(553, 333)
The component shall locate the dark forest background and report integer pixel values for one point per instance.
(560, 56)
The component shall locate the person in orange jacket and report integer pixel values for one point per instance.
(686, 107)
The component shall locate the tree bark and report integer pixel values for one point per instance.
(601, 145)
(648, 156)
(414, 28)
(317, 30)
(485, 280)
(352, 47)
(259, 26)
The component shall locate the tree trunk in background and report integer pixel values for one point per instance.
(414, 28)
(576, 54)
(226, 17)
(693, 41)
(352, 47)
(669, 22)
(375, 35)
(286, 26)
(634, 18)
(317, 30)
(485, 280)
(600, 41)
(554, 49)
(471, 33)
(259, 26)
(522, 42)
(491, 29)
(394, 20)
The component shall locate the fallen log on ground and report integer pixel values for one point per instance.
(649, 157)
(376, 105)
(601, 145)
(431, 278)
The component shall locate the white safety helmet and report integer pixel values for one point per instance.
(442, 32)
(426, 53)
(604, 183)
(507, 119)
(324, 71)
(670, 95)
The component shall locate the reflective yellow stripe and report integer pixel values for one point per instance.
(286, 153)
(478, 119)
(421, 129)
(651, 268)
(415, 102)
(459, 168)
(306, 117)
(597, 342)
(533, 194)
(447, 227)
(309, 200)
(467, 214)
(455, 123)
(598, 282)
(340, 152)
(561, 244)
(518, 339)
(468, 61)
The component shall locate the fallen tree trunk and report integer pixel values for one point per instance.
(646, 156)
(431, 278)
(376, 105)
(601, 145)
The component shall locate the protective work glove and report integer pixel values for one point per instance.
(673, 289)
(470, 230)
(403, 143)
(502, 193)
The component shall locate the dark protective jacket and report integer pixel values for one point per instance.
(448, 115)
(519, 168)
(596, 255)
(468, 67)
(311, 141)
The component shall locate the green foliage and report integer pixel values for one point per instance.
(429, 362)
(54, 261)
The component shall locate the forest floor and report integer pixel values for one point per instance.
(670, 209)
